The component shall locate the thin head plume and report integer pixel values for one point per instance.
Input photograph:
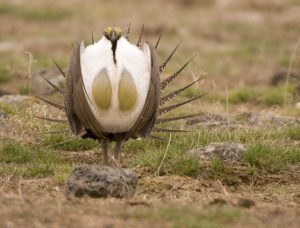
(128, 30)
(61, 91)
(140, 36)
(55, 105)
(166, 82)
(170, 119)
(163, 66)
(93, 38)
(59, 68)
(158, 40)
(171, 107)
(169, 96)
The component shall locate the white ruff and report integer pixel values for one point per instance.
(99, 56)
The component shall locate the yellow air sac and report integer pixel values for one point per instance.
(127, 92)
(101, 91)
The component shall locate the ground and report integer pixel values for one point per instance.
(239, 47)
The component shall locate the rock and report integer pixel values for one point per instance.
(3, 92)
(262, 118)
(211, 120)
(16, 99)
(41, 87)
(245, 203)
(226, 151)
(281, 77)
(101, 182)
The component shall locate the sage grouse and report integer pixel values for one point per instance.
(113, 91)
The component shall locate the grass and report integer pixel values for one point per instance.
(66, 143)
(261, 156)
(293, 132)
(30, 13)
(190, 216)
(31, 162)
(271, 158)
(8, 109)
(5, 75)
(270, 96)
(25, 90)
(242, 94)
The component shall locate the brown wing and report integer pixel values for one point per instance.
(81, 108)
(146, 121)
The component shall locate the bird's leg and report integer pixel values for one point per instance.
(117, 151)
(104, 144)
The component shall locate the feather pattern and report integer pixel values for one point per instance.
(164, 110)
(168, 80)
(169, 96)
(163, 66)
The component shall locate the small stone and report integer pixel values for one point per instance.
(246, 203)
(101, 182)
(3, 92)
(226, 151)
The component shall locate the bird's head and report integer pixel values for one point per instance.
(112, 33)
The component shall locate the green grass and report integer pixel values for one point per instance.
(190, 216)
(8, 109)
(32, 13)
(5, 75)
(26, 161)
(67, 143)
(269, 96)
(13, 152)
(242, 94)
(271, 158)
(261, 155)
(25, 90)
(293, 132)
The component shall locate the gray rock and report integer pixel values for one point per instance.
(262, 118)
(211, 120)
(39, 86)
(226, 151)
(101, 181)
(15, 99)
(3, 92)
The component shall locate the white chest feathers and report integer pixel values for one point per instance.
(116, 86)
